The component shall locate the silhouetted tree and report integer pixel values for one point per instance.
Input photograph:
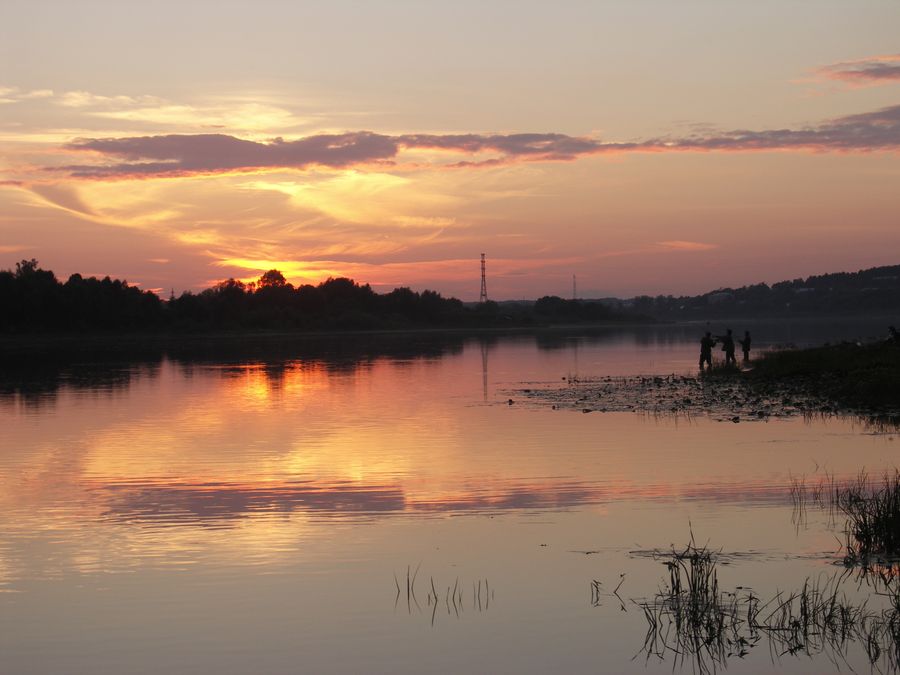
(272, 279)
(32, 299)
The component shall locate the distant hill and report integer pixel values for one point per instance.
(870, 291)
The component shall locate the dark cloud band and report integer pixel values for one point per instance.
(214, 153)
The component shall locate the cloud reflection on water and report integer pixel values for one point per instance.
(218, 503)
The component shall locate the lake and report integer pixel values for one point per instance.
(376, 504)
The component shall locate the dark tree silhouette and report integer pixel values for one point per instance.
(272, 279)
(33, 300)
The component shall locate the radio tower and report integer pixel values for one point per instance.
(483, 296)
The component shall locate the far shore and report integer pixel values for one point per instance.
(36, 343)
(114, 343)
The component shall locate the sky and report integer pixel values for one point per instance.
(643, 147)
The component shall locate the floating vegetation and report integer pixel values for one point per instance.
(453, 599)
(724, 394)
(692, 620)
(684, 396)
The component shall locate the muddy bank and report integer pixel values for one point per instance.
(733, 399)
(842, 380)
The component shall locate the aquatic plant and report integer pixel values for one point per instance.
(691, 620)
(873, 518)
(452, 599)
(871, 509)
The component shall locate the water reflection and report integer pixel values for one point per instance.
(34, 374)
(214, 503)
(33, 386)
(34, 380)
(218, 503)
(270, 497)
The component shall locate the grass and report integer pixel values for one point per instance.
(873, 518)
(871, 509)
(848, 374)
(692, 620)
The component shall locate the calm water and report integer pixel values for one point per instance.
(251, 515)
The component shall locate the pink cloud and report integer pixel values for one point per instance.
(864, 72)
(678, 245)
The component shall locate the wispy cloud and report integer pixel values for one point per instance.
(863, 72)
(13, 248)
(257, 115)
(191, 154)
(678, 245)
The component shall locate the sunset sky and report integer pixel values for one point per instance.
(644, 146)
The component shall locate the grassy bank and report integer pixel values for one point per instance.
(859, 376)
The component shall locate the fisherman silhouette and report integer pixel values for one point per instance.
(745, 345)
(728, 347)
(706, 344)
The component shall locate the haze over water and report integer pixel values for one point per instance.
(245, 515)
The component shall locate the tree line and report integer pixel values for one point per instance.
(34, 300)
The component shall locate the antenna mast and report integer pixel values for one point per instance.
(483, 296)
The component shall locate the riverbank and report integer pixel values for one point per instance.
(847, 374)
(846, 380)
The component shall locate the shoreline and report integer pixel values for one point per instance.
(847, 379)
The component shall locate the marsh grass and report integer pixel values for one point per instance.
(693, 621)
(871, 509)
(849, 373)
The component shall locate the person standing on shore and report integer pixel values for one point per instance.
(728, 348)
(706, 346)
(745, 345)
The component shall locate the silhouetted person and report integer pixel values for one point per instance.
(895, 334)
(706, 346)
(745, 345)
(728, 347)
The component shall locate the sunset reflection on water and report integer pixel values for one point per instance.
(337, 472)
